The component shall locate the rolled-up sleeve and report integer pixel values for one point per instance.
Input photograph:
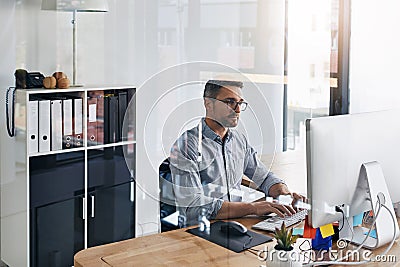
(258, 172)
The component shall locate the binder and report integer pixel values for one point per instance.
(78, 122)
(44, 125)
(67, 124)
(122, 105)
(113, 119)
(100, 117)
(95, 117)
(107, 119)
(56, 124)
(130, 116)
(91, 121)
(33, 126)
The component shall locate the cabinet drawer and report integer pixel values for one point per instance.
(56, 177)
(107, 167)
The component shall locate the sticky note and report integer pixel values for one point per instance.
(298, 231)
(309, 232)
(326, 230)
(372, 234)
(357, 220)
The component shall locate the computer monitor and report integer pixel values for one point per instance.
(336, 149)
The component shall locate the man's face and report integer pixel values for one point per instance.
(219, 111)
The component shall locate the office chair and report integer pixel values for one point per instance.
(167, 196)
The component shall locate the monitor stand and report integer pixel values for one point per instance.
(371, 186)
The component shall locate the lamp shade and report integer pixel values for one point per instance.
(76, 5)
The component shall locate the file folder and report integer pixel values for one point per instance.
(78, 122)
(91, 121)
(95, 117)
(56, 124)
(130, 116)
(100, 117)
(106, 119)
(44, 125)
(67, 124)
(33, 127)
(113, 119)
(122, 105)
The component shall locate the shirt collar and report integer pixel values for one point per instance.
(209, 133)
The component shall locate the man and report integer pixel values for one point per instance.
(208, 161)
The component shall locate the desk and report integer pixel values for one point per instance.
(174, 248)
(179, 248)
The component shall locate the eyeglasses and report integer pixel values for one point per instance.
(234, 104)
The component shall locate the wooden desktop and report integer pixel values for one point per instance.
(179, 248)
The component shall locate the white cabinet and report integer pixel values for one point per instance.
(62, 199)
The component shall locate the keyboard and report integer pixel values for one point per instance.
(270, 224)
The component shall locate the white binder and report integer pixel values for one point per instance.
(44, 125)
(78, 122)
(67, 123)
(56, 124)
(33, 127)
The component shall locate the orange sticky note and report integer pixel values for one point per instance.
(326, 230)
(309, 232)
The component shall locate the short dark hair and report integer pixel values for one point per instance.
(212, 87)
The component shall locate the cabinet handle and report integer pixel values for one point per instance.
(132, 192)
(83, 209)
(92, 213)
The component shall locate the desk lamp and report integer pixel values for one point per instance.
(75, 6)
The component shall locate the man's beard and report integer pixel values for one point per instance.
(229, 122)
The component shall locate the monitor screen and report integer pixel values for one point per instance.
(336, 147)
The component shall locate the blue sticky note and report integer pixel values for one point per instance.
(372, 234)
(298, 231)
(357, 220)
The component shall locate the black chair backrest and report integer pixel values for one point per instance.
(167, 196)
(164, 169)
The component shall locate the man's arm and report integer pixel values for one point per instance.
(261, 175)
(267, 181)
(259, 208)
(188, 189)
(240, 209)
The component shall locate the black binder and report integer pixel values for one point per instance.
(122, 105)
(233, 242)
(106, 119)
(113, 118)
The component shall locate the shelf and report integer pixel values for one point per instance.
(57, 152)
(111, 145)
(82, 148)
(66, 199)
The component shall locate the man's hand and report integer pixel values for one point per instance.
(281, 189)
(278, 189)
(264, 207)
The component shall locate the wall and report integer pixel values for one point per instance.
(7, 46)
(374, 55)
